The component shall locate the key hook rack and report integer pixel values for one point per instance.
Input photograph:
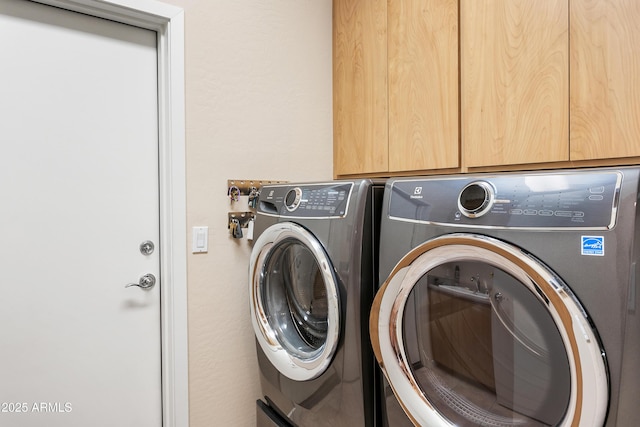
(246, 187)
(250, 189)
(243, 218)
(238, 221)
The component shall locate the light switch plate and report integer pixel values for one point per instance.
(200, 239)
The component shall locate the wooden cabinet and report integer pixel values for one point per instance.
(423, 84)
(360, 127)
(514, 81)
(544, 82)
(442, 86)
(395, 68)
(605, 79)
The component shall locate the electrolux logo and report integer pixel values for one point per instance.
(592, 245)
(417, 193)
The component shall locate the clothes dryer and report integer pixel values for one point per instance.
(510, 299)
(313, 274)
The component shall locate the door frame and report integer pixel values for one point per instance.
(168, 22)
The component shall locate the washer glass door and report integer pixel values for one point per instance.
(294, 301)
(472, 331)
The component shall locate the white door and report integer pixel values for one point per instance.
(79, 194)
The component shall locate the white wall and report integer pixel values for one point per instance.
(258, 106)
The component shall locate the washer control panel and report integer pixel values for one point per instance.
(577, 199)
(327, 200)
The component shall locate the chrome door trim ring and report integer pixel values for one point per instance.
(589, 388)
(291, 366)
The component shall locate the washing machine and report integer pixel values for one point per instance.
(510, 299)
(313, 275)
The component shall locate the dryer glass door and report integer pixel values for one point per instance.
(294, 301)
(488, 336)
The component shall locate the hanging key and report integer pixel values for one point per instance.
(234, 193)
(233, 223)
(253, 197)
(237, 229)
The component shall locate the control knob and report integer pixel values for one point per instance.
(292, 199)
(476, 199)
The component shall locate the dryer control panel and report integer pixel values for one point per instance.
(576, 199)
(322, 200)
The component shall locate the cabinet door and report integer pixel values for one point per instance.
(423, 84)
(605, 79)
(515, 81)
(360, 87)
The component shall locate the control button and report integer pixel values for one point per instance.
(596, 190)
(515, 211)
(545, 212)
(578, 214)
(564, 213)
(530, 212)
(596, 197)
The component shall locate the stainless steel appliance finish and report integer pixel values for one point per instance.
(313, 274)
(510, 299)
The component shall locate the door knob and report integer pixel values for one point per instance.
(146, 282)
